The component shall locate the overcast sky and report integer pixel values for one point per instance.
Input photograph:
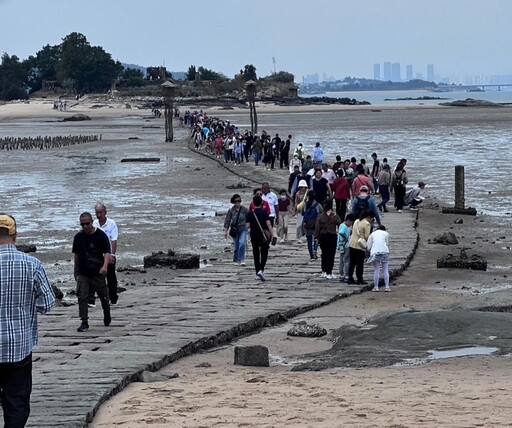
(336, 37)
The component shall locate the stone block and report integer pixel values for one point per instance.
(256, 356)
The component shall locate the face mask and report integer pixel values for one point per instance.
(283, 197)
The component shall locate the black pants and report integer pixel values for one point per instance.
(283, 160)
(341, 208)
(15, 389)
(260, 254)
(357, 263)
(399, 197)
(328, 243)
(111, 284)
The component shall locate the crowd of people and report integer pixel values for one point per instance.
(46, 142)
(338, 206)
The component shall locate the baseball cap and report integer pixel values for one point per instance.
(363, 188)
(7, 225)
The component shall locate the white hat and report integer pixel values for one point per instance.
(303, 183)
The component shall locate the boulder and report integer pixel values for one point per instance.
(76, 118)
(256, 356)
(173, 260)
(475, 262)
(30, 248)
(447, 238)
(305, 330)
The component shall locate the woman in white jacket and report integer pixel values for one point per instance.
(378, 245)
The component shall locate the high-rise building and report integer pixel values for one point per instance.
(376, 71)
(408, 72)
(430, 72)
(395, 72)
(387, 71)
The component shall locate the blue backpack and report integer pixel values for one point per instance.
(310, 216)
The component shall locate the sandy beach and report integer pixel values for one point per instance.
(456, 392)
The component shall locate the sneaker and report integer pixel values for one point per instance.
(315, 256)
(387, 289)
(274, 241)
(375, 289)
(236, 263)
(242, 263)
(324, 275)
(282, 241)
(413, 209)
(343, 279)
(256, 276)
(261, 275)
(312, 260)
(83, 327)
(350, 281)
(107, 318)
(91, 305)
(399, 211)
(331, 276)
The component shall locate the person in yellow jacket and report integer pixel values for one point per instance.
(358, 242)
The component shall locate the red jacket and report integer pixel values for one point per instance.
(341, 188)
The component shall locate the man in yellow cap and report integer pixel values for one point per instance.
(24, 291)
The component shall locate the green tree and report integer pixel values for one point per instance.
(132, 77)
(283, 76)
(249, 73)
(90, 67)
(207, 74)
(191, 73)
(43, 66)
(13, 78)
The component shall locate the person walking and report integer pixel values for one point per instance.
(108, 226)
(234, 226)
(284, 154)
(341, 190)
(384, 185)
(310, 213)
(300, 200)
(326, 232)
(260, 228)
(285, 206)
(91, 249)
(271, 198)
(343, 246)
(378, 245)
(24, 292)
(358, 245)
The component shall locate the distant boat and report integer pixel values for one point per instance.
(476, 90)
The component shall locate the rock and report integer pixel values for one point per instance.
(447, 238)
(30, 248)
(131, 269)
(256, 356)
(464, 211)
(147, 376)
(204, 364)
(475, 262)
(458, 220)
(76, 118)
(58, 293)
(307, 331)
(175, 261)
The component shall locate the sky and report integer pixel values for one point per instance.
(336, 37)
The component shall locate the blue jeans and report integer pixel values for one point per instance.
(257, 158)
(227, 155)
(238, 158)
(384, 193)
(344, 263)
(312, 245)
(239, 246)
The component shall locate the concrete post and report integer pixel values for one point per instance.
(460, 201)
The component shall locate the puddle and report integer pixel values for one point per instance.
(440, 354)
(436, 354)
(276, 360)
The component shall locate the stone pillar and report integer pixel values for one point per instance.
(460, 201)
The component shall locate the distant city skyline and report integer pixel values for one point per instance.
(336, 38)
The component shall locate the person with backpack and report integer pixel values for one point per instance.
(398, 183)
(364, 202)
(358, 246)
(310, 213)
(344, 232)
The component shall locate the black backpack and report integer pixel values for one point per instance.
(360, 205)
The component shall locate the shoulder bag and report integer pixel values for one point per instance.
(361, 241)
(267, 235)
(233, 230)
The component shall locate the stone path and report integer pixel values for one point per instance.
(75, 372)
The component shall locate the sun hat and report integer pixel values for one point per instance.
(303, 183)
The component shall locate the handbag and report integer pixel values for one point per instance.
(267, 234)
(361, 241)
(233, 230)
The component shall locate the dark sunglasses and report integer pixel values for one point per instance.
(238, 200)
(85, 224)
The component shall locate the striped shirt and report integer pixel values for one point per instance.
(24, 290)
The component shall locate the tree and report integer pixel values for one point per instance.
(13, 78)
(191, 73)
(249, 73)
(90, 67)
(207, 74)
(283, 76)
(132, 77)
(43, 66)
